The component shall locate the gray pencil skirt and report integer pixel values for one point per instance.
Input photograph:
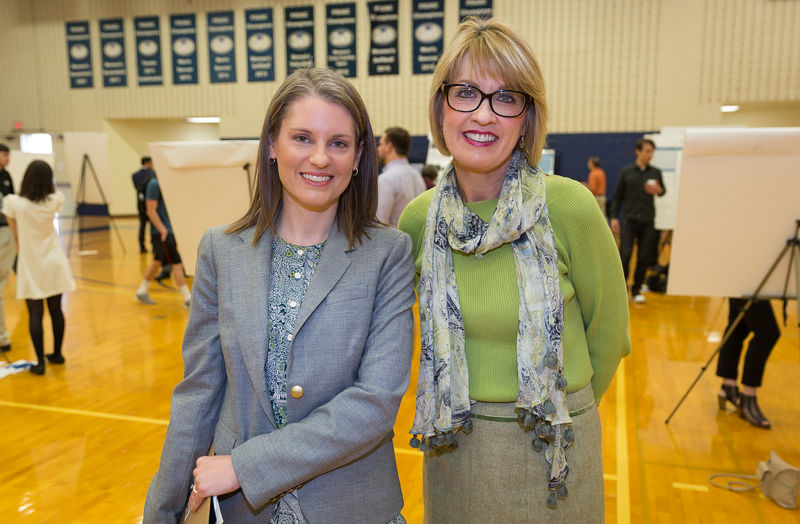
(496, 476)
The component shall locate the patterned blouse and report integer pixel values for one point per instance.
(292, 269)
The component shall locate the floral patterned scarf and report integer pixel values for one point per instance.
(443, 403)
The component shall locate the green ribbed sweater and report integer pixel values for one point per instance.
(595, 335)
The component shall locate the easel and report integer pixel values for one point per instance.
(79, 202)
(793, 245)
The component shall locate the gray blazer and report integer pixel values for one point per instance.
(351, 355)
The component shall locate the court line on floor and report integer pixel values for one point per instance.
(623, 474)
(691, 487)
(96, 414)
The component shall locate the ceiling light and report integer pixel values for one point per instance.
(729, 109)
(203, 120)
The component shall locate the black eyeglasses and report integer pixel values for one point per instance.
(467, 98)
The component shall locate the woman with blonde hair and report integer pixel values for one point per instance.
(523, 305)
(298, 347)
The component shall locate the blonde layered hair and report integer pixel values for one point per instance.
(500, 52)
(357, 206)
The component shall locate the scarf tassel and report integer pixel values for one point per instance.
(440, 439)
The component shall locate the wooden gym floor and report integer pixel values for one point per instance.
(81, 443)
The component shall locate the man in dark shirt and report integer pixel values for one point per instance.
(140, 179)
(8, 250)
(637, 185)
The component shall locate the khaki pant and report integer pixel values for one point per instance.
(7, 253)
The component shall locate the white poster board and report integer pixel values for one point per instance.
(667, 158)
(738, 202)
(204, 184)
(20, 161)
(95, 146)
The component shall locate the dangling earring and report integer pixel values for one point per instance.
(522, 142)
(355, 172)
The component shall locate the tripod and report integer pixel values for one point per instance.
(79, 204)
(793, 247)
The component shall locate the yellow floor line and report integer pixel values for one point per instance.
(692, 487)
(623, 474)
(408, 452)
(97, 414)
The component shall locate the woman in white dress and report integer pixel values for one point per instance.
(43, 272)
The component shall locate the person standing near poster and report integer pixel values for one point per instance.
(596, 182)
(7, 249)
(637, 185)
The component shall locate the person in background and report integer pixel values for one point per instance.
(299, 342)
(399, 182)
(637, 186)
(165, 248)
(429, 174)
(43, 271)
(523, 309)
(140, 180)
(760, 321)
(8, 251)
(596, 182)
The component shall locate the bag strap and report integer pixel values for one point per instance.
(734, 485)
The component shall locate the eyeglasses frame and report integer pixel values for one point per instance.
(445, 89)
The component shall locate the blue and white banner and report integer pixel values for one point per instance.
(299, 22)
(428, 22)
(148, 50)
(183, 34)
(341, 22)
(112, 47)
(258, 24)
(383, 37)
(79, 55)
(221, 55)
(479, 8)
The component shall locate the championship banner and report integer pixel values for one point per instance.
(383, 37)
(221, 56)
(183, 33)
(341, 22)
(299, 22)
(479, 8)
(79, 55)
(428, 21)
(148, 50)
(258, 24)
(112, 45)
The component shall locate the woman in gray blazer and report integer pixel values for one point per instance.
(298, 347)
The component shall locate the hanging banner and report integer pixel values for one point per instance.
(183, 33)
(112, 45)
(299, 22)
(428, 22)
(479, 8)
(260, 52)
(383, 37)
(221, 56)
(341, 22)
(148, 50)
(79, 55)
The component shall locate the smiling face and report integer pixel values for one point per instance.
(481, 142)
(316, 153)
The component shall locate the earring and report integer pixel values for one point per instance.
(355, 172)
(272, 160)
(522, 142)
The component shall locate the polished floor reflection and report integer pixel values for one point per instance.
(81, 443)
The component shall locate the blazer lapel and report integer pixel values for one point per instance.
(250, 271)
(332, 265)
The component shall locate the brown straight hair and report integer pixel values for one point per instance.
(37, 182)
(493, 47)
(357, 206)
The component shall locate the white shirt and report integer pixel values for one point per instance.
(42, 267)
(398, 184)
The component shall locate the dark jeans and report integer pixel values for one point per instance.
(642, 233)
(142, 226)
(759, 320)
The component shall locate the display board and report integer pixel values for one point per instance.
(738, 202)
(204, 184)
(19, 161)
